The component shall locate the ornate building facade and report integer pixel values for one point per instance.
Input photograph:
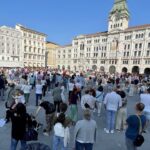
(11, 54)
(120, 49)
(34, 47)
(22, 47)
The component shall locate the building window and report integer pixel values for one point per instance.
(148, 52)
(125, 46)
(124, 54)
(128, 46)
(81, 46)
(140, 45)
(148, 45)
(136, 46)
(139, 53)
(89, 42)
(142, 35)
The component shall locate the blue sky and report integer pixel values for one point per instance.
(62, 20)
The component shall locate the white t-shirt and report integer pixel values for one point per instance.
(26, 88)
(112, 101)
(70, 86)
(145, 99)
(20, 99)
(43, 82)
(38, 89)
(59, 130)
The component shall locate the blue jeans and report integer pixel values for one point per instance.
(84, 146)
(14, 143)
(38, 97)
(58, 143)
(111, 119)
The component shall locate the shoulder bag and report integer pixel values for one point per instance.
(139, 138)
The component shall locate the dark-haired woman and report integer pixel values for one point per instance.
(19, 119)
(61, 133)
(73, 105)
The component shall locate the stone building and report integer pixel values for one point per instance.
(10, 47)
(22, 47)
(50, 54)
(33, 47)
(120, 49)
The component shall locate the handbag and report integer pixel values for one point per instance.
(86, 105)
(31, 135)
(139, 140)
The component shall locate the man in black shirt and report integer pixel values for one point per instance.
(49, 115)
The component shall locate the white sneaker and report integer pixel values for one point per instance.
(107, 131)
(112, 131)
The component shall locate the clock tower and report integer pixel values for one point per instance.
(119, 16)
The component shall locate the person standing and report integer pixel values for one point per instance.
(44, 86)
(32, 81)
(38, 91)
(73, 105)
(122, 112)
(85, 132)
(49, 114)
(26, 89)
(112, 102)
(19, 120)
(57, 97)
(133, 126)
(70, 86)
(145, 99)
(99, 99)
(88, 101)
(61, 133)
(2, 87)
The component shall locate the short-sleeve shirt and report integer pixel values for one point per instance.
(133, 126)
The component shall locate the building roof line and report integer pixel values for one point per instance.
(31, 30)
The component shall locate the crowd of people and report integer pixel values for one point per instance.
(94, 93)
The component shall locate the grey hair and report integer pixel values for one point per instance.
(87, 114)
